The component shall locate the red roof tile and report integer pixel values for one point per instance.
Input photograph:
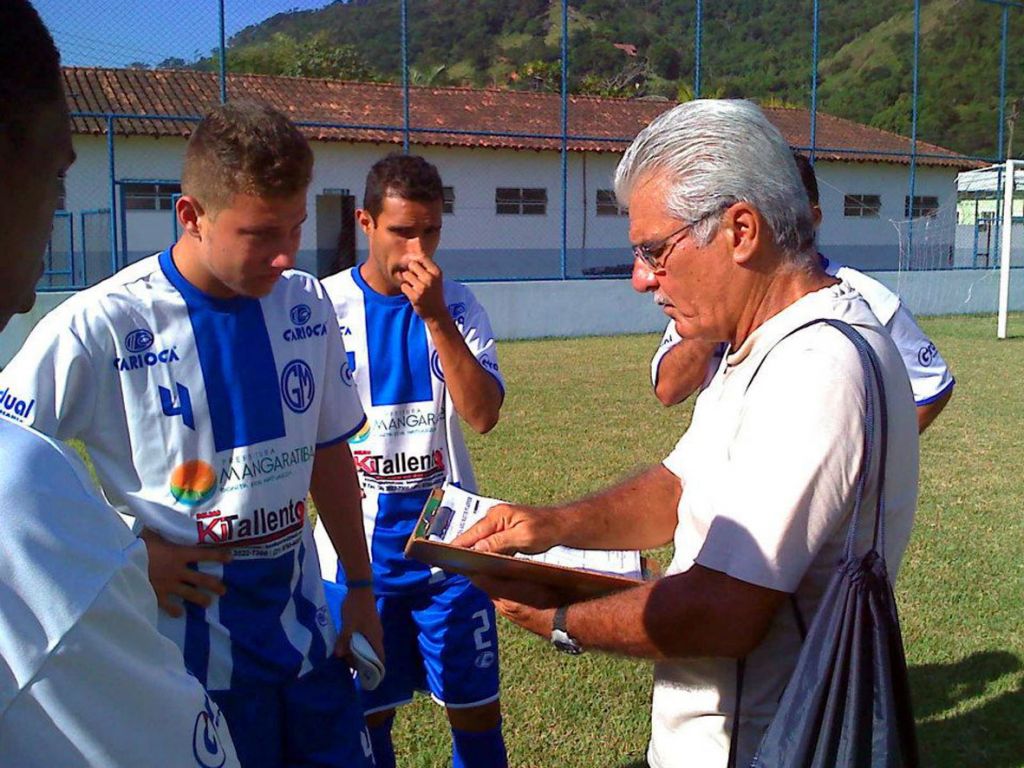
(463, 117)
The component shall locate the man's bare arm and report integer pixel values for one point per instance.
(335, 489)
(638, 513)
(475, 393)
(700, 612)
(926, 414)
(682, 370)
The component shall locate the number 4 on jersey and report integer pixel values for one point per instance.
(182, 408)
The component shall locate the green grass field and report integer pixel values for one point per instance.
(580, 413)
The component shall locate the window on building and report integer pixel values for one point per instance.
(525, 201)
(142, 196)
(448, 204)
(862, 206)
(608, 204)
(923, 206)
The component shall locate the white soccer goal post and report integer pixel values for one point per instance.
(1014, 168)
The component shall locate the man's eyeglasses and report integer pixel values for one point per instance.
(650, 253)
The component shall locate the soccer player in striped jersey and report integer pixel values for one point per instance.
(211, 387)
(423, 355)
(678, 369)
(77, 616)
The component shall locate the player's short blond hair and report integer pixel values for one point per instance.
(245, 148)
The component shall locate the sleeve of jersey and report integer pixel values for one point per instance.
(84, 621)
(50, 384)
(78, 710)
(669, 340)
(476, 330)
(930, 377)
(789, 479)
(341, 413)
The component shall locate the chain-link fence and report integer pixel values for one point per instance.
(525, 107)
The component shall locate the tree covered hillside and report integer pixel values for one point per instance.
(759, 49)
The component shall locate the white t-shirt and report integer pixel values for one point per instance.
(202, 417)
(85, 677)
(768, 477)
(930, 377)
(412, 441)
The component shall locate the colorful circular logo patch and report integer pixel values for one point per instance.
(193, 482)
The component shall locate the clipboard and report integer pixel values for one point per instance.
(575, 583)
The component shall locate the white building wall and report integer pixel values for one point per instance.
(873, 243)
(479, 243)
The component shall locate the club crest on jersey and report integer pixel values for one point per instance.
(297, 386)
(14, 406)
(139, 340)
(300, 316)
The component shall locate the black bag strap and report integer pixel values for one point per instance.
(873, 410)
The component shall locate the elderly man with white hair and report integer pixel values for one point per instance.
(757, 495)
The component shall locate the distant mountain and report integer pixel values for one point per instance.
(759, 49)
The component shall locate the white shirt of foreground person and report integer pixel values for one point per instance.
(765, 471)
(85, 678)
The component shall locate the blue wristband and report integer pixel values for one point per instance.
(359, 583)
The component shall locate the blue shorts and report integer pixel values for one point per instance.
(442, 640)
(313, 721)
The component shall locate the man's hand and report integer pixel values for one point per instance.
(508, 529)
(359, 614)
(172, 578)
(423, 286)
(531, 606)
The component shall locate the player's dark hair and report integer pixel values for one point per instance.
(409, 177)
(243, 147)
(803, 165)
(30, 75)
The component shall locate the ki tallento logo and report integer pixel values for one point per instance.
(297, 386)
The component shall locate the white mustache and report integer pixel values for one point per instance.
(661, 299)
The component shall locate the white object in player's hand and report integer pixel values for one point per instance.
(369, 667)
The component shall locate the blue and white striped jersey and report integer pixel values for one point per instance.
(202, 417)
(412, 440)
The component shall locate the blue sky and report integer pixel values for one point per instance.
(115, 33)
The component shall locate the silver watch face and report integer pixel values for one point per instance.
(564, 643)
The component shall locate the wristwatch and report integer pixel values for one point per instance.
(560, 638)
